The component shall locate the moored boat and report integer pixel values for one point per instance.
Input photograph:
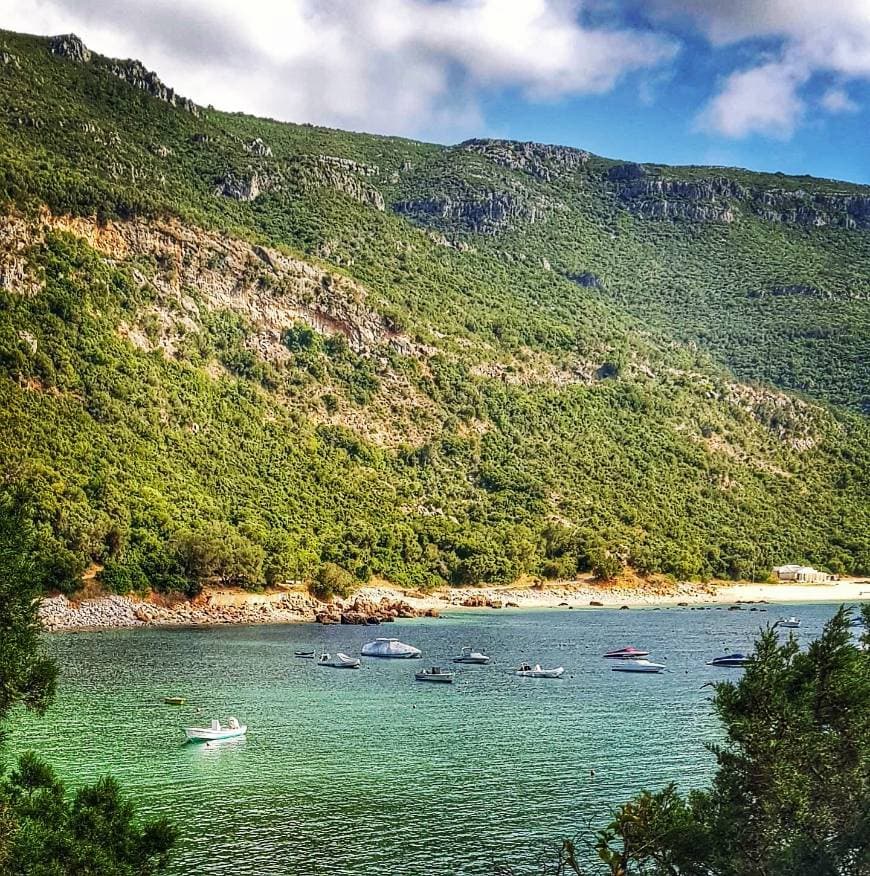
(791, 623)
(467, 655)
(310, 655)
(340, 661)
(527, 671)
(216, 731)
(640, 665)
(730, 660)
(174, 701)
(435, 674)
(629, 653)
(391, 648)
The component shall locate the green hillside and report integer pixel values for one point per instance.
(238, 348)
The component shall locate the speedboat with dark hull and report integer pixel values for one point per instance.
(730, 660)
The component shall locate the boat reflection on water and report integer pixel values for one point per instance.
(215, 747)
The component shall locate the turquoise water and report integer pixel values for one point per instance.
(364, 772)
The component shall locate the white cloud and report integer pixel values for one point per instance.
(417, 67)
(835, 100)
(760, 100)
(815, 38)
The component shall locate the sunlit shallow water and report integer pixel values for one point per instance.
(366, 772)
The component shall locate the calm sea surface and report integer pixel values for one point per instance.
(366, 772)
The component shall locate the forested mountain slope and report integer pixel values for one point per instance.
(239, 348)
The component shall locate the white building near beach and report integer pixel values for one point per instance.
(801, 574)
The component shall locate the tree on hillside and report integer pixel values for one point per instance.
(218, 551)
(791, 796)
(42, 831)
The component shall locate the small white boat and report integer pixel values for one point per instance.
(791, 623)
(469, 656)
(340, 661)
(436, 674)
(527, 671)
(638, 666)
(629, 653)
(215, 731)
(310, 655)
(390, 648)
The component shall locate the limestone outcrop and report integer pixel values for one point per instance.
(484, 213)
(650, 195)
(270, 289)
(136, 74)
(132, 71)
(68, 45)
(538, 159)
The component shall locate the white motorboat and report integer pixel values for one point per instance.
(527, 671)
(791, 623)
(638, 666)
(215, 731)
(436, 674)
(390, 648)
(310, 655)
(340, 661)
(469, 656)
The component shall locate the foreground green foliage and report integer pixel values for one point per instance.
(26, 676)
(533, 407)
(44, 831)
(791, 796)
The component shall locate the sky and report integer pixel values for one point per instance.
(776, 85)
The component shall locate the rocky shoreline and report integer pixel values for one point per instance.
(370, 606)
(374, 605)
(58, 613)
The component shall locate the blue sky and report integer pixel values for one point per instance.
(777, 85)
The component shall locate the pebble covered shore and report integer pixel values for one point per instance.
(58, 613)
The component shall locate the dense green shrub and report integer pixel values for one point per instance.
(331, 581)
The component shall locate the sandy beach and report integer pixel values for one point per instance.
(294, 605)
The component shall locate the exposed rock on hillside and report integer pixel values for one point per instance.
(131, 71)
(258, 147)
(791, 420)
(70, 46)
(139, 77)
(272, 290)
(813, 209)
(544, 162)
(586, 279)
(239, 188)
(626, 172)
(648, 194)
(484, 214)
(342, 175)
(659, 198)
(304, 174)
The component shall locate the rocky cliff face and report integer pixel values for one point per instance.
(70, 46)
(485, 213)
(270, 289)
(655, 197)
(650, 195)
(544, 162)
(813, 210)
(146, 80)
(343, 175)
(304, 174)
